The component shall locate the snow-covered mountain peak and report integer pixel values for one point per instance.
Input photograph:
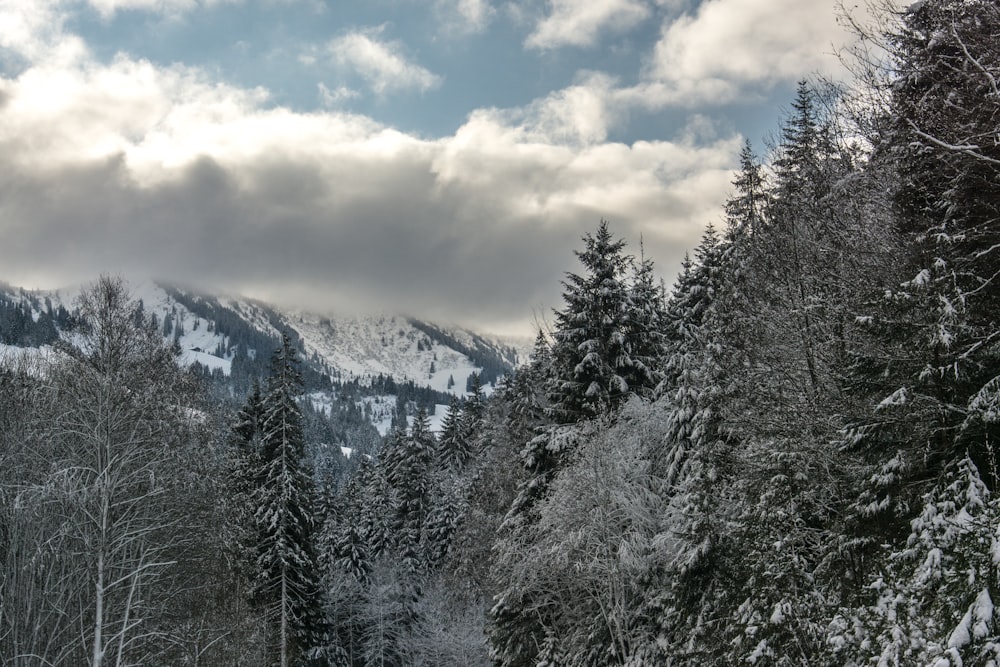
(213, 330)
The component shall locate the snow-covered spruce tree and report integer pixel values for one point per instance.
(934, 353)
(586, 371)
(692, 463)
(795, 264)
(529, 424)
(378, 511)
(244, 479)
(346, 564)
(411, 479)
(348, 548)
(935, 595)
(800, 265)
(645, 328)
(286, 580)
(492, 485)
(245, 476)
(592, 372)
(946, 106)
(693, 295)
(449, 486)
(473, 410)
(447, 505)
(452, 447)
(590, 357)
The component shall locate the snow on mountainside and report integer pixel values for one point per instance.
(213, 329)
(363, 347)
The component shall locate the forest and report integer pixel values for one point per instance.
(785, 458)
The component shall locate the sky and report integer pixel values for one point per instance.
(439, 158)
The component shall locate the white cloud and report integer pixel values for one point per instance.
(32, 29)
(169, 8)
(333, 98)
(464, 16)
(730, 46)
(580, 114)
(381, 64)
(582, 22)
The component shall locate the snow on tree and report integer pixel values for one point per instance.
(286, 581)
(97, 571)
(453, 447)
(591, 359)
(934, 601)
(645, 328)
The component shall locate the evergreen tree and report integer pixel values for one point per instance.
(591, 359)
(935, 595)
(411, 478)
(746, 207)
(693, 463)
(287, 581)
(245, 479)
(645, 329)
(452, 448)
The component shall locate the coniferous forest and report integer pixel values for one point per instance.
(788, 457)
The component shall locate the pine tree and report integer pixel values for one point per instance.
(349, 546)
(946, 107)
(783, 342)
(591, 359)
(287, 572)
(746, 207)
(245, 480)
(645, 329)
(927, 364)
(693, 463)
(935, 595)
(411, 478)
(378, 515)
(452, 448)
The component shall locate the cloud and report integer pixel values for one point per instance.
(162, 171)
(464, 16)
(333, 98)
(381, 64)
(30, 31)
(728, 47)
(580, 114)
(582, 22)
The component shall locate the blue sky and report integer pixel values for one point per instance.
(436, 157)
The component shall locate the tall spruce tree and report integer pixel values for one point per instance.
(928, 367)
(287, 571)
(645, 328)
(591, 359)
(452, 446)
(692, 463)
(412, 481)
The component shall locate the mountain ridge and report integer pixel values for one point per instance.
(379, 359)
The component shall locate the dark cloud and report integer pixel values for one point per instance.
(154, 173)
(292, 234)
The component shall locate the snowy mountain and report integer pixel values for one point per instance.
(228, 338)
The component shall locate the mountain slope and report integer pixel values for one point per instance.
(384, 362)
